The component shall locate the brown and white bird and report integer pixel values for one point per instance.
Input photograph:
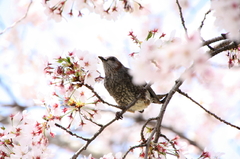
(118, 83)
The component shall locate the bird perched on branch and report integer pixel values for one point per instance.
(118, 83)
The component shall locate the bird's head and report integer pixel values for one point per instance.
(111, 64)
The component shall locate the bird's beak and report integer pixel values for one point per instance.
(102, 58)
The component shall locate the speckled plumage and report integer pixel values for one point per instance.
(118, 83)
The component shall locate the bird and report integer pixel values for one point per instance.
(119, 84)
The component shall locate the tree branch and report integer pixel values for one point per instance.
(182, 136)
(163, 109)
(71, 133)
(219, 38)
(207, 111)
(182, 18)
(100, 98)
(18, 21)
(232, 45)
(204, 18)
(157, 130)
(178, 133)
(132, 148)
(143, 127)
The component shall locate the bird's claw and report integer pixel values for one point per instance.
(119, 115)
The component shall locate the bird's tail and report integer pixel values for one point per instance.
(160, 98)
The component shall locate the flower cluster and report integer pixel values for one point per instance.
(25, 138)
(161, 149)
(233, 57)
(72, 77)
(227, 13)
(106, 9)
(160, 60)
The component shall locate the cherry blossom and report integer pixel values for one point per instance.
(74, 103)
(159, 59)
(227, 14)
(58, 9)
(24, 139)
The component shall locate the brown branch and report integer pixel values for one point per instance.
(71, 133)
(148, 143)
(18, 21)
(182, 136)
(132, 148)
(219, 38)
(143, 127)
(182, 18)
(201, 25)
(89, 119)
(216, 39)
(207, 111)
(204, 18)
(157, 130)
(163, 109)
(100, 98)
(232, 45)
(84, 147)
(223, 46)
(178, 133)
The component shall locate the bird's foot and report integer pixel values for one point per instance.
(119, 115)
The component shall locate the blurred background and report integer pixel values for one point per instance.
(27, 46)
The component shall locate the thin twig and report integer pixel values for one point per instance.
(148, 143)
(84, 147)
(132, 148)
(182, 18)
(18, 21)
(71, 133)
(172, 144)
(100, 98)
(169, 128)
(233, 45)
(208, 42)
(201, 25)
(143, 127)
(207, 111)
(89, 119)
(182, 136)
(204, 18)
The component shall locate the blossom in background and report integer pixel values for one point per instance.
(159, 60)
(25, 138)
(109, 10)
(227, 14)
